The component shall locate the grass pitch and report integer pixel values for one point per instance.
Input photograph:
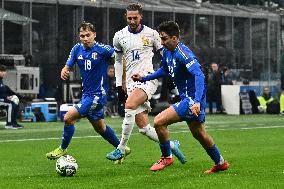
(253, 145)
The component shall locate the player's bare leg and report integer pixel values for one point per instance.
(161, 121)
(69, 120)
(106, 132)
(136, 98)
(199, 133)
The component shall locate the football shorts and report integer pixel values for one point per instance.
(149, 87)
(182, 108)
(91, 107)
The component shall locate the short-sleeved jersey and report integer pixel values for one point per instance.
(183, 67)
(137, 49)
(93, 63)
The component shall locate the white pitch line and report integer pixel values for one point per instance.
(184, 131)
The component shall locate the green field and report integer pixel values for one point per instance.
(253, 145)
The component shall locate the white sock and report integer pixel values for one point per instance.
(127, 127)
(150, 132)
(221, 160)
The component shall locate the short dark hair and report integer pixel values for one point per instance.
(171, 28)
(87, 26)
(135, 7)
(2, 68)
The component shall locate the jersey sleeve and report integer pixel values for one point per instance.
(72, 59)
(118, 65)
(194, 69)
(108, 52)
(157, 41)
(116, 44)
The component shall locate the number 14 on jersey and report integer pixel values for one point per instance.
(135, 55)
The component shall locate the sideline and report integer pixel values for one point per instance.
(183, 131)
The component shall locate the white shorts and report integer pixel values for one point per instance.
(149, 87)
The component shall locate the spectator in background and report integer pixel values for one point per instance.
(112, 95)
(227, 77)
(264, 99)
(9, 100)
(282, 103)
(214, 88)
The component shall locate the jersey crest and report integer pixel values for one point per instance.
(94, 55)
(145, 40)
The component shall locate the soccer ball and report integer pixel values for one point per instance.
(66, 166)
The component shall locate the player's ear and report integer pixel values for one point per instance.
(174, 38)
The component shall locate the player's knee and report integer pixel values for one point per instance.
(158, 122)
(100, 129)
(130, 105)
(68, 120)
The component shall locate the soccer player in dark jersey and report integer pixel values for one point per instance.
(180, 63)
(93, 59)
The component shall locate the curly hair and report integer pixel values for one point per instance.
(135, 7)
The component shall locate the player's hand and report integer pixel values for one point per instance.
(136, 77)
(195, 109)
(121, 94)
(65, 73)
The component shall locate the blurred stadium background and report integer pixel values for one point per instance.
(244, 36)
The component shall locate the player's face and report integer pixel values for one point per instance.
(168, 42)
(134, 20)
(2, 74)
(87, 37)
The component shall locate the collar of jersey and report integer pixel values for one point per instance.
(142, 27)
(89, 48)
(176, 48)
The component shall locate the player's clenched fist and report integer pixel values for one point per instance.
(65, 72)
(195, 109)
(136, 77)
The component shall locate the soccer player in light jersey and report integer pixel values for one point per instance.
(93, 59)
(136, 43)
(180, 63)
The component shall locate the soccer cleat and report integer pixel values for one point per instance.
(162, 163)
(127, 152)
(57, 153)
(18, 126)
(217, 168)
(178, 153)
(116, 155)
(10, 127)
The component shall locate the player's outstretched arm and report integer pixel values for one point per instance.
(65, 72)
(157, 74)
